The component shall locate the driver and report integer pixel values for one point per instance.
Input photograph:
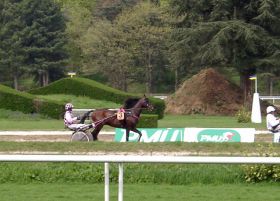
(272, 122)
(75, 123)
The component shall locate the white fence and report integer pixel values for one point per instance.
(273, 98)
(136, 159)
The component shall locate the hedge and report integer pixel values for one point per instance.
(27, 103)
(148, 121)
(96, 90)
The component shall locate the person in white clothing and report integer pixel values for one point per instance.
(75, 123)
(272, 122)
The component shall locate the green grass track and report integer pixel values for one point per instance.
(140, 192)
(21, 122)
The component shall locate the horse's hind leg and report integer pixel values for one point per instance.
(137, 131)
(95, 132)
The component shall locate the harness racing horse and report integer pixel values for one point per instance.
(127, 117)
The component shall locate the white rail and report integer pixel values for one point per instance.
(273, 98)
(270, 97)
(136, 159)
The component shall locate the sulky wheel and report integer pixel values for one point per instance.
(81, 136)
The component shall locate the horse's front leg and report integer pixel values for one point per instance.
(127, 134)
(139, 133)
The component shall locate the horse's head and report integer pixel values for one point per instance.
(145, 103)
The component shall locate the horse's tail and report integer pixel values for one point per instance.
(86, 115)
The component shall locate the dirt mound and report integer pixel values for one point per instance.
(208, 93)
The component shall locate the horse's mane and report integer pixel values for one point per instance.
(130, 102)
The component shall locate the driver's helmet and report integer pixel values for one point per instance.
(68, 106)
(270, 109)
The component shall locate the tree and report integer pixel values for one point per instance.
(146, 29)
(241, 34)
(11, 37)
(131, 48)
(45, 38)
(79, 18)
(110, 9)
(106, 46)
(32, 39)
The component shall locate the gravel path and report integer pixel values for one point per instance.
(46, 136)
(64, 136)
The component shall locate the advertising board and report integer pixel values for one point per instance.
(189, 135)
(152, 135)
(219, 135)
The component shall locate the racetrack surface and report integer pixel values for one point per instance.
(47, 136)
(64, 136)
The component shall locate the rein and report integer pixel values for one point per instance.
(134, 116)
(142, 108)
(102, 120)
(118, 109)
(131, 109)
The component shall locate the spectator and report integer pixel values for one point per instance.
(272, 122)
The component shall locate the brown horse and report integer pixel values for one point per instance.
(127, 117)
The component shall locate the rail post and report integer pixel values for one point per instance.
(120, 182)
(107, 181)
